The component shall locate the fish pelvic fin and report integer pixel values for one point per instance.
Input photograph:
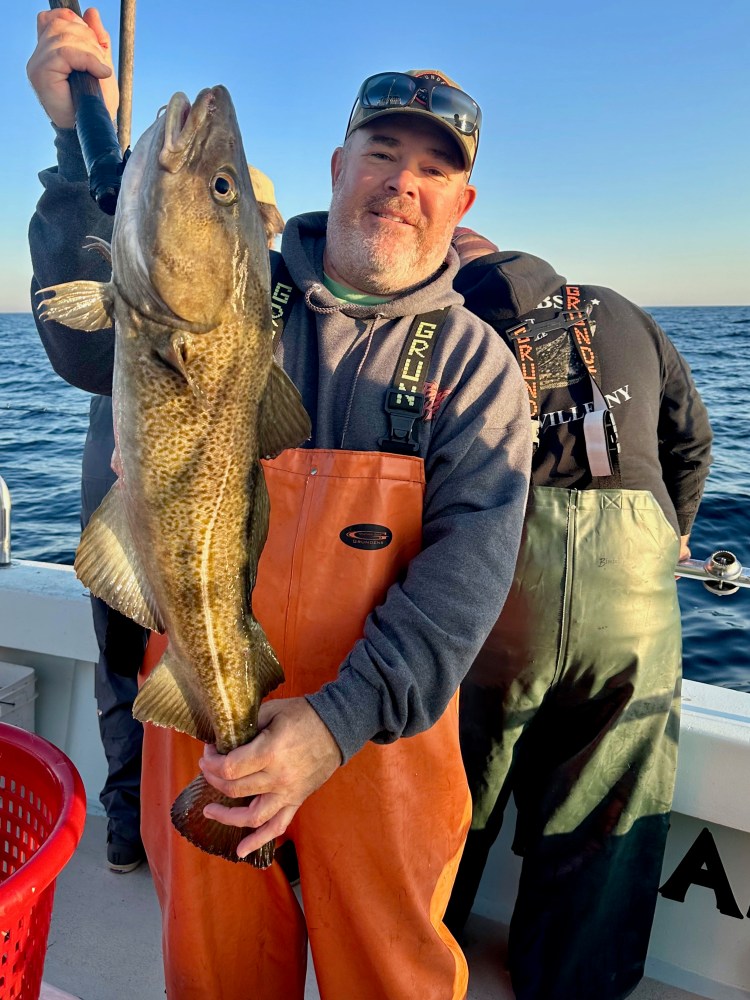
(209, 835)
(176, 351)
(101, 246)
(81, 305)
(282, 421)
(165, 701)
(107, 562)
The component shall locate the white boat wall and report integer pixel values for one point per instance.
(701, 935)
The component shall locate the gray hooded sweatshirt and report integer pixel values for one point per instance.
(473, 438)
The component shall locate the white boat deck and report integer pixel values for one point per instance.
(104, 942)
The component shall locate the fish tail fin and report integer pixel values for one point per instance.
(209, 835)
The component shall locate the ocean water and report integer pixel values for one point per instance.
(43, 425)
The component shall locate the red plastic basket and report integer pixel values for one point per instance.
(42, 813)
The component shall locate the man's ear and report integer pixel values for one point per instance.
(337, 164)
(467, 200)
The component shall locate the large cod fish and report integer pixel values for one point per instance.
(197, 401)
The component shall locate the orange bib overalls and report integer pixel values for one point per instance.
(379, 843)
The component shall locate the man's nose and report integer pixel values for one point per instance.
(402, 182)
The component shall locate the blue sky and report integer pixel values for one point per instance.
(616, 138)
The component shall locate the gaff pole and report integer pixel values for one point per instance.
(100, 145)
(125, 71)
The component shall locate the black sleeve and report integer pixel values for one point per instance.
(65, 215)
(684, 435)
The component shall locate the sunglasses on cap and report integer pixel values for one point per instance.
(399, 90)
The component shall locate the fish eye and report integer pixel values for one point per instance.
(224, 188)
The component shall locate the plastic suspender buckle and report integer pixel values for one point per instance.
(539, 329)
(403, 409)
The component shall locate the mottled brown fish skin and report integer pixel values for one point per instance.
(197, 401)
(189, 461)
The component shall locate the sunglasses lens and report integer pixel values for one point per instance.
(388, 90)
(456, 108)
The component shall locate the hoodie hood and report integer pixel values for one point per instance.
(302, 247)
(502, 286)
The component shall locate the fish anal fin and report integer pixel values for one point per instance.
(282, 421)
(107, 562)
(164, 701)
(81, 305)
(209, 835)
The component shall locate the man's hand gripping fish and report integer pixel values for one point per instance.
(197, 401)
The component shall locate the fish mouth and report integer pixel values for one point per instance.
(183, 123)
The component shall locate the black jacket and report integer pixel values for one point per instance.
(663, 428)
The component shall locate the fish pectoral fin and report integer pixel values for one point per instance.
(81, 305)
(270, 672)
(282, 421)
(165, 702)
(107, 562)
(208, 834)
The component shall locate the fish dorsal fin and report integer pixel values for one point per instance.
(165, 701)
(107, 562)
(282, 421)
(81, 305)
(270, 674)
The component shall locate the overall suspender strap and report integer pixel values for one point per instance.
(600, 433)
(404, 398)
(283, 294)
(599, 429)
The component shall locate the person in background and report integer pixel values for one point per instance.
(374, 642)
(572, 705)
(121, 641)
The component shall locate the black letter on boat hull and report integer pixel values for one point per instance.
(702, 866)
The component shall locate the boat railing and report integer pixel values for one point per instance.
(4, 523)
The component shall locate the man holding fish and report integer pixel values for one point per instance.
(387, 426)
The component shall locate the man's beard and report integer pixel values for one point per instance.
(378, 262)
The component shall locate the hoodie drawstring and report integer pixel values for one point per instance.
(355, 380)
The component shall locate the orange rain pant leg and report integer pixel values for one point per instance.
(229, 931)
(380, 841)
(376, 880)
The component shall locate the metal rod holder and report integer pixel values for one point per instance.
(4, 524)
(721, 573)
